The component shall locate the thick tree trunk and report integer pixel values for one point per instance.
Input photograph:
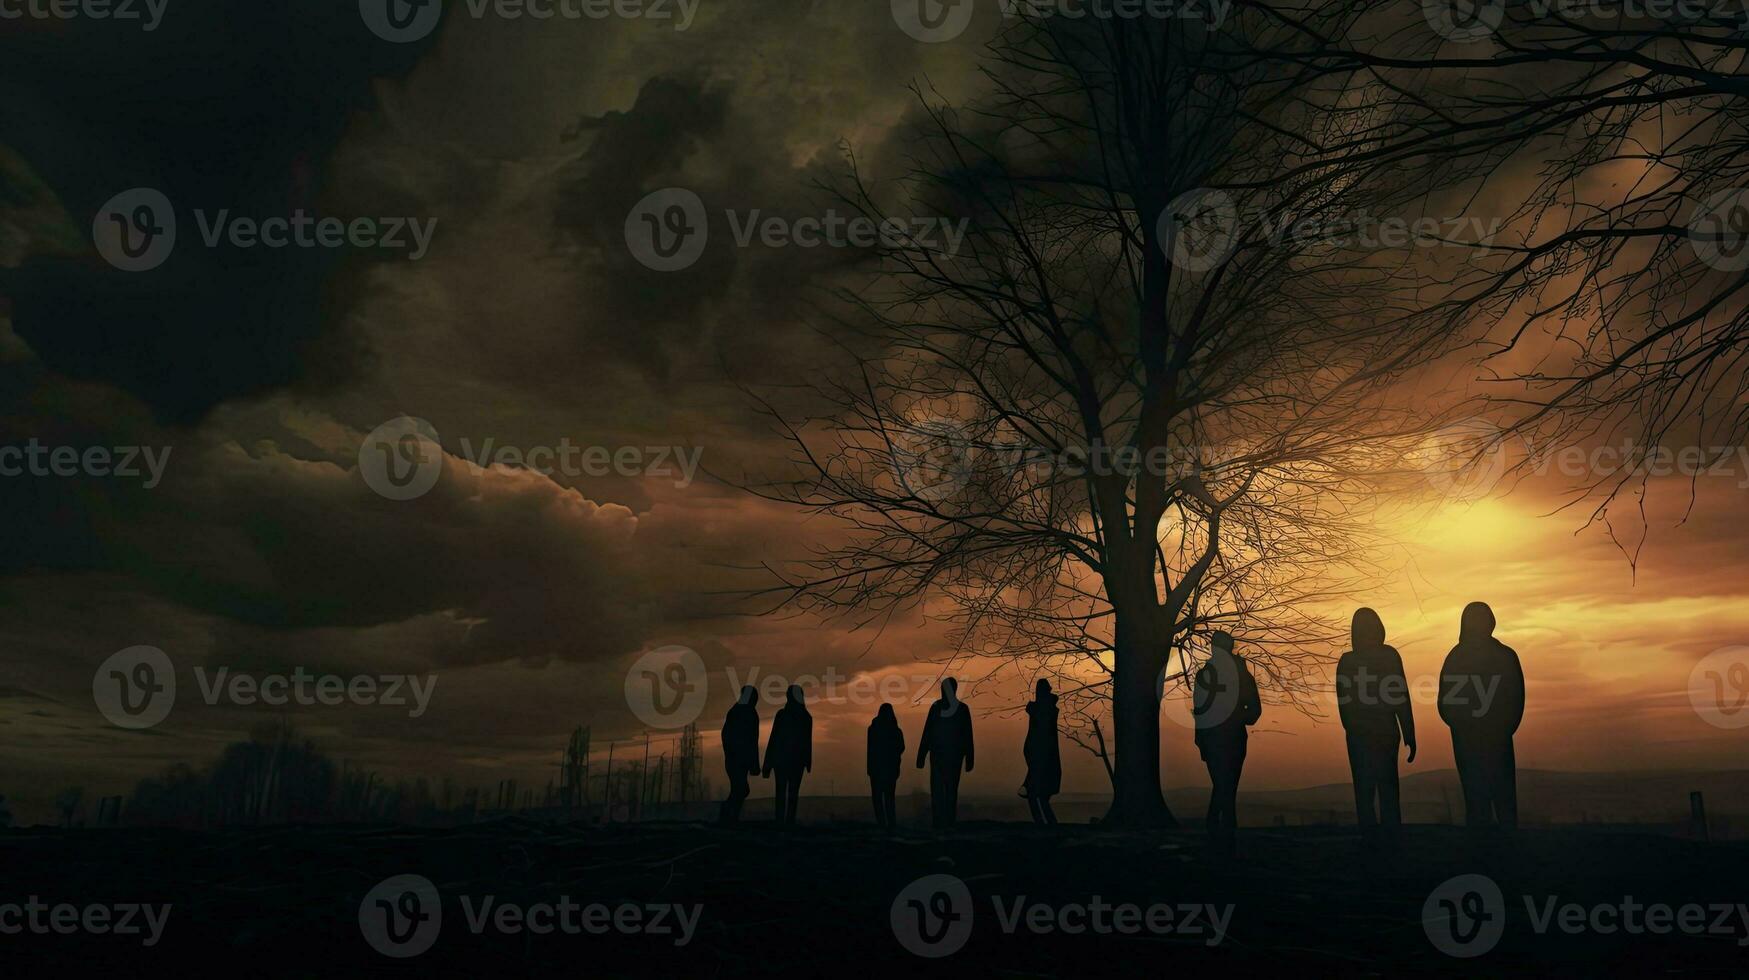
(1135, 708)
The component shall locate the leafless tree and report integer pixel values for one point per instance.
(1614, 141)
(1157, 389)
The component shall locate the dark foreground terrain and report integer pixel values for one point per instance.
(840, 901)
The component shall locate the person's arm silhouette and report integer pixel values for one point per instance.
(923, 742)
(808, 743)
(1448, 693)
(771, 744)
(1405, 706)
(966, 727)
(1512, 691)
(1200, 692)
(1345, 691)
(1253, 703)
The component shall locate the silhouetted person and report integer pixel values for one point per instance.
(1372, 697)
(740, 752)
(1481, 696)
(1044, 765)
(1225, 705)
(789, 752)
(947, 744)
(886, 747)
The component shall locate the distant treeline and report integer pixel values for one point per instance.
(278, 777)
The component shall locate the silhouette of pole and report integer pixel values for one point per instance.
(644, 776)
(607, 788)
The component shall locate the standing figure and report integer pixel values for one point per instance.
(1044, 764)
(1481, 696)
(740, 752)
(1372, 697)
(947, 744)
(1224, 705)
(789, 752)
(886, 746)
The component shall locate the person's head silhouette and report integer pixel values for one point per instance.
(1221, 644)
(795, 695)
(949, 688)
(748, 694)
(885, 716)
(1366, 631)
(1041, 689)
(1477, 623)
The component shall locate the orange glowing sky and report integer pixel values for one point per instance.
(1607, 648)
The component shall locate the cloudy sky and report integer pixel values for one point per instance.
(528, 322)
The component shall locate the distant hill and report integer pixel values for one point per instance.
(1545, 797)
(1643, 798)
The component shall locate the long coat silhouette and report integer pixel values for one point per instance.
(1224, 705)
(1044, 761)
(886, 747)
(789, 752)
(740, 751)
(947, 745)
(1481, 696)
(1372, 698)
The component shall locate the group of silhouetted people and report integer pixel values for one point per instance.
(945, 747)
(789, 752)
(1481, 698)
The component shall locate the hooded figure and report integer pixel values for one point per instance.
(947, 744)
(1224, 705)
(1481, 696)
(1044, 764)
(740, 751)
(789, 752)
(886, 746)
(1372, 697)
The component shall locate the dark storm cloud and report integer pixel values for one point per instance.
(226, 104)
(672, 120)
(529, 322)
(499, 565)
(704, 136)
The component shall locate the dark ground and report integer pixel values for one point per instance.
(285, 901)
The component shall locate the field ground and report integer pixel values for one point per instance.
(819, 901)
